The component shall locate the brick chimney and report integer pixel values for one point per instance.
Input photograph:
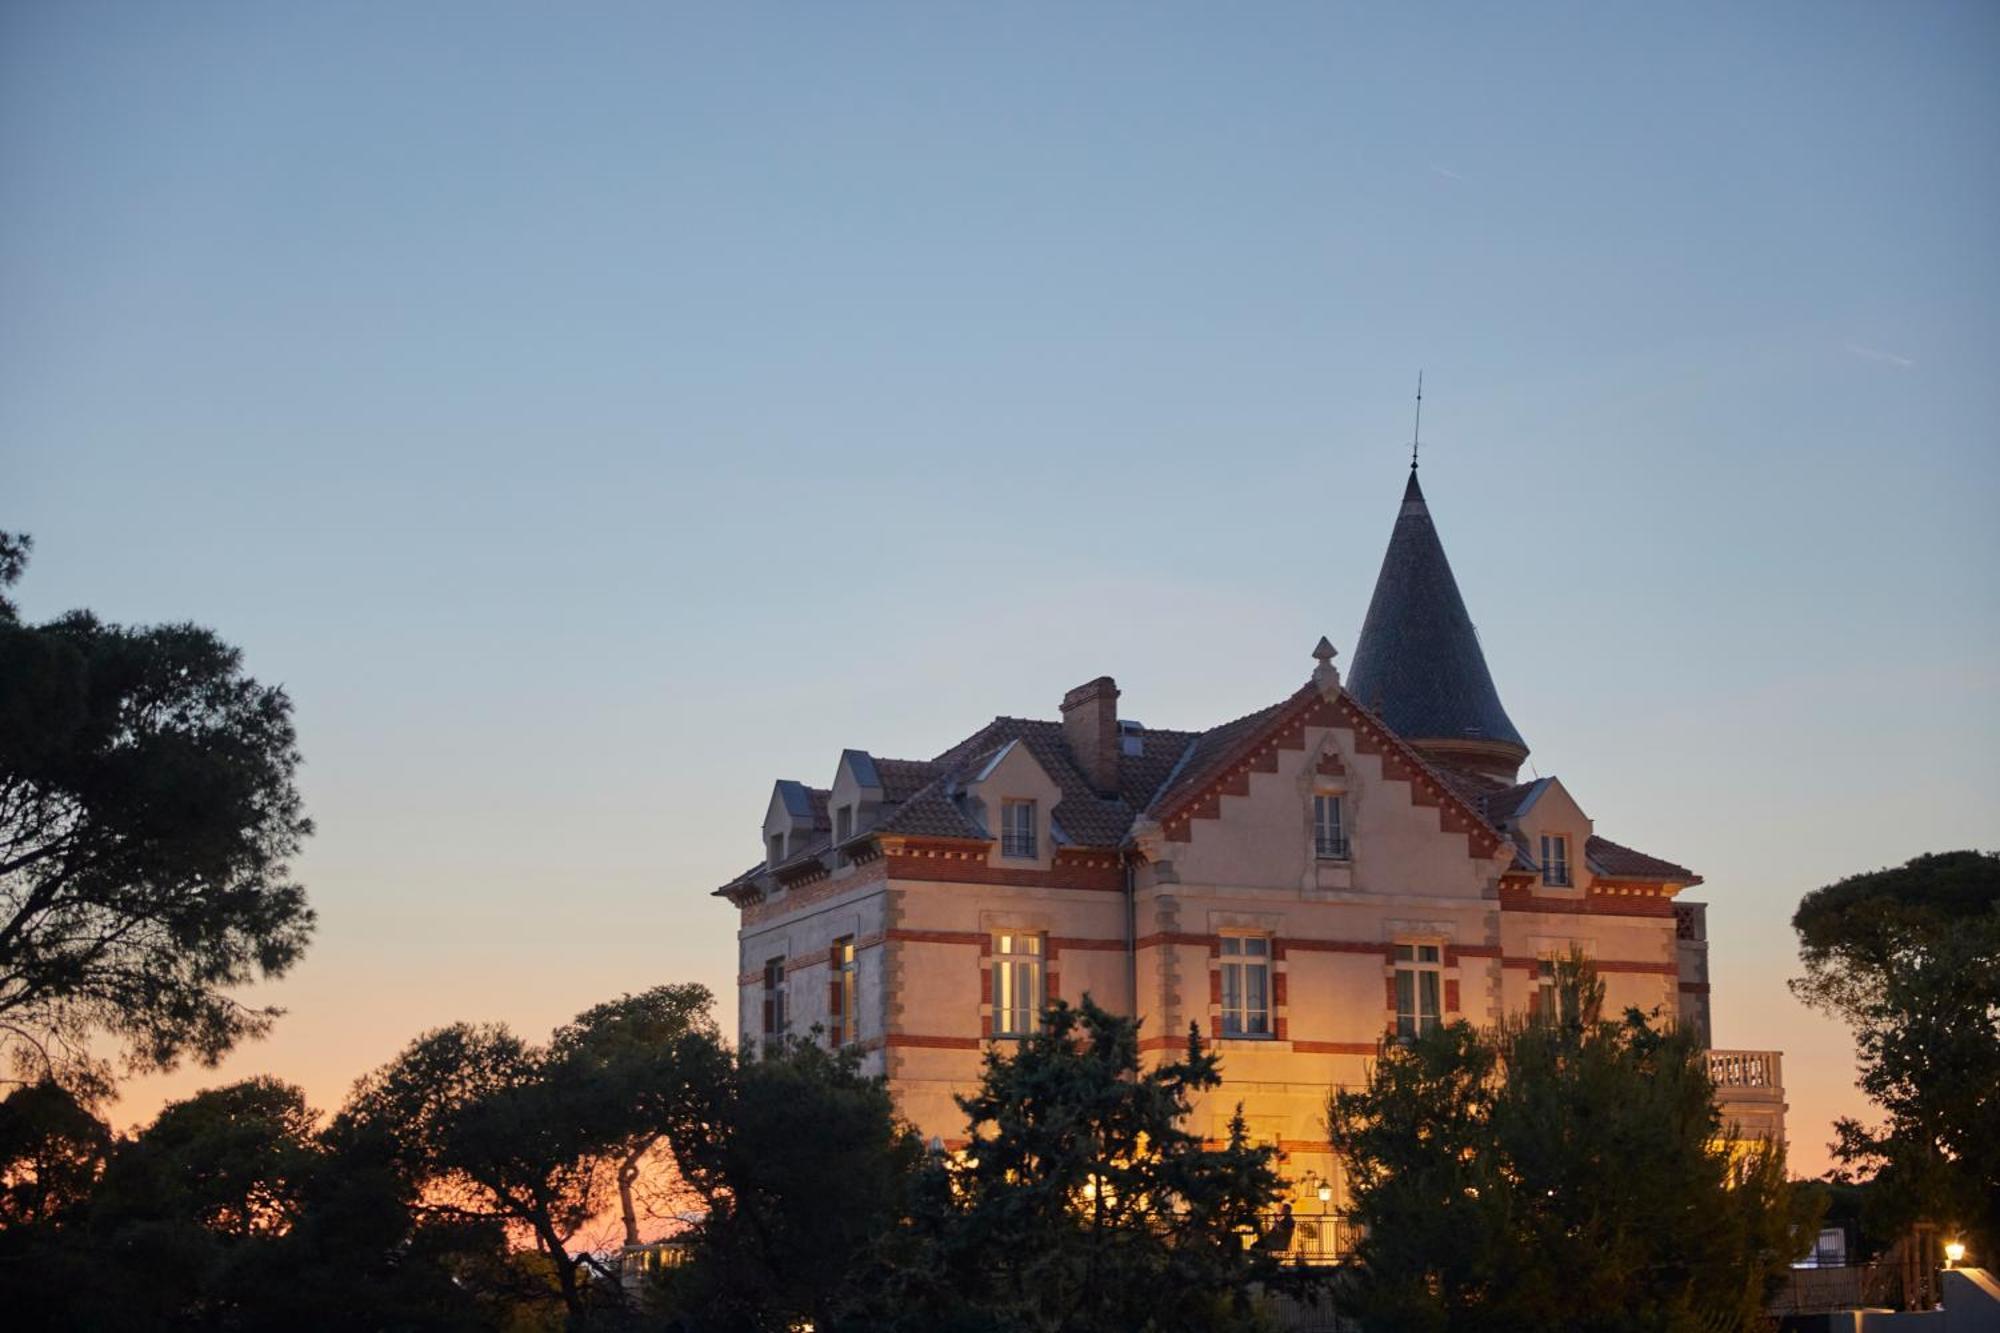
(1090, 725)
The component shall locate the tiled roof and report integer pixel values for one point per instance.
(1500, 803)
(924, 797)
(1085, 818)
(1609, 858)
(1418, 661)
(1211, 752)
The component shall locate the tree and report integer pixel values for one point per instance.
(1560, 1171)
(469, 1117)
(147, 813)
(1910, 958)
(1085, 1201)
(633, 1056)
(52, 1150)
(805, 1173)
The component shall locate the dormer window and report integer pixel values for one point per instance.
(1017, 829)
(777, 848)
(1329, 828)
(843, 829)
(1555, 860)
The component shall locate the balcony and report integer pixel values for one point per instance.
(1746, 1069)
(1750, 1092)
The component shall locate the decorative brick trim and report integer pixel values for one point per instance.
(1305, 1047)
(1059, 942)
(1451, 995)
(1209, 942)
(1601, 965)
(805, 895)
(977, 937)
(1694, 988)
(907, 1040)
(1374, 947)
(1454, 952)
(1625, 903)
(959, 862)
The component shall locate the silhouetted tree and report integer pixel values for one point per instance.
(1086, 1200)
(52, 1150)
(804, 1171)
(1910, 958)
(147, 812)
(629, 1060)
(1562, 1171)
(471, 1118)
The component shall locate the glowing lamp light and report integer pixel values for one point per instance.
(1954, 1252)
(1325, 1192)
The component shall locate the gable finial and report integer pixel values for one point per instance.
(1325, 675)
(1417, 432)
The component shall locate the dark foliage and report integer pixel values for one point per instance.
(805, 1174)
(147, 812)
(1910, 958)
(1086, 1201)
(1564, 1171)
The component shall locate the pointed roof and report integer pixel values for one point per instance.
(1418, 662)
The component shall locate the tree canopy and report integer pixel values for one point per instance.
(1910, 958)
(1086, 1199)
(1563, 1170)
(147, 816)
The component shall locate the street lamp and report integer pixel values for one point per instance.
(1954, 1251)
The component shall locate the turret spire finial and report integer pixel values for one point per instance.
(1417, 432)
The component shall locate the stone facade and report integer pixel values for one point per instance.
(1265, 881)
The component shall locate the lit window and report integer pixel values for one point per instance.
(1017, 985)
(774, 999)
(1246, 986)
(1419, 989)
(1017, 828)
(1555, 860)
(1329, 829)
(843, 1024)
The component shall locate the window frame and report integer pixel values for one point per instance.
(1418, 961)
(843, 1025)
(776, 1020)
(1338, 847)
(1556, 868)
(1015, 1016)
(1017, 843)
(1240, 1016)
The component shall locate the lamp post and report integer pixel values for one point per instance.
(1954, 1253)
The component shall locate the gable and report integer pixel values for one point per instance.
(1251, 823)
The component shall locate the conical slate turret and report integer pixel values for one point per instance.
(1418, 661)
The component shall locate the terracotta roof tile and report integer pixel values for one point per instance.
(1618, 862)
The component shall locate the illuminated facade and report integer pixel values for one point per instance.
(1355, 861)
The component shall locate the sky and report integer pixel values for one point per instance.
(592, 413)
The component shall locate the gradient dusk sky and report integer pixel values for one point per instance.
(591, 413)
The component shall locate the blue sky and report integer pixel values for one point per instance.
(591, 413)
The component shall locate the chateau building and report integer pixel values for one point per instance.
(1359, 860)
